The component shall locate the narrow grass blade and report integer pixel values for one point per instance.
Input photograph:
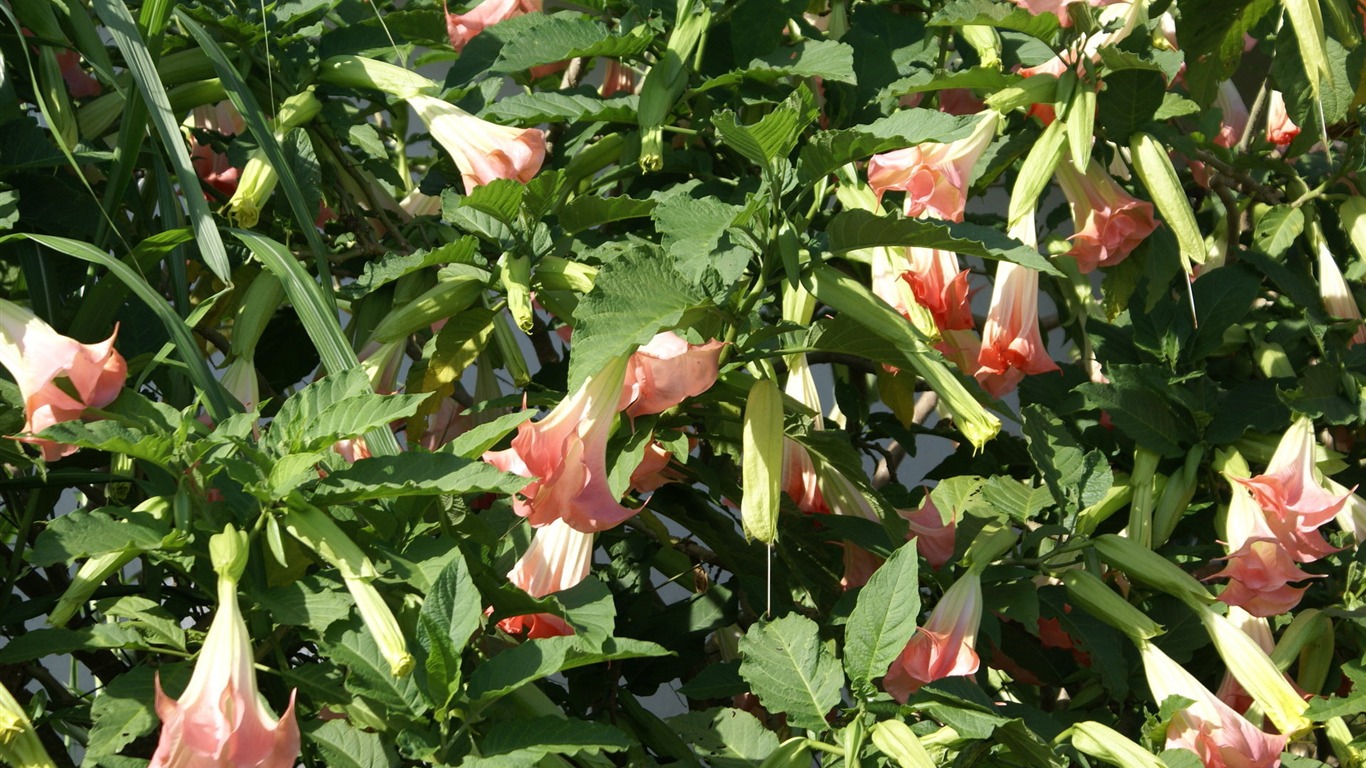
(125, 33)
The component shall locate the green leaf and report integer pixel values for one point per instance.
(1277, 228)
(1213, 41)
(40, 643)
(392, 266)
(459, 343)
(775, 134)
(1219, 304)
(315, 601)
(515, 667)
(413, 474)
(829, 150)
(791, 671)
(303, 408)
(355, 416)
(500, 198)
(352, 646)
(693, 230)
(727, 738)
(588, 211)
(84, 533)
(958, 13)
(549, 735)
(1131, 97)
(1020, 501)
(565, 37)
(124, 31)
(113, 437)
(563, 107)
(343, 745)
(855, 230)
(884, 615)
(122, 712)
(1135, 404)
(1074, 476)
(632, 300)
(826, 59)
(451, 613)
(472, 443)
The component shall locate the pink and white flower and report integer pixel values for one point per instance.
(934, 176)
(1110, 223)
(483, 151)
(58, 377)
(946, 645)
(463, 27)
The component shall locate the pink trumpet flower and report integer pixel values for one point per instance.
(934, 176)
(799, 479)
(653, 470)
(934, 537)
(483, 151)
(618, 78)
(213, 168)
(221, 719)
(667, 371)
(1011, 344)
(1280, 129)
(1294, 501)
(1337, 296)
(1110, 223)
(1235, 118)
(462, 27)
(940, 286)
(565, 454)
(558, 559)
(1213, 730)
(945, 645)
(58, 377)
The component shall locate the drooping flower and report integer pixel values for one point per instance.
(352, 449)
(558, 559)
(1295, 503)
(213, 167)
(1235, 115)
(1337, 297)
(221, 718)
(1280, 129)
(447, 423)
(1059, 7)
(946, 645)
(79, 83)
(667, 371)
(799, 479)
(1217, 734)
(933, 536)
(566, 453)
(462, 27)
(1011, 344)
(1110, 223)
(618, 78)
(934, 176)
(58, 377)
(940, 286)
(1260, 569)
(483, 151)
(653, 470)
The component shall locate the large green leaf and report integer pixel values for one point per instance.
(563, 107)
(355, 416)
(791, 671)
(883, 618)
(565, 37)
(826, 59)
(550, 735)
(987, 13)
(515, 667)
(414, 474)
(451, 613)
(633, 299)
(855, 230)
(343, 745)
(1211, 35)
(369, 674)
(85, 533)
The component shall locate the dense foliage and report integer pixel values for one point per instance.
(909, 383)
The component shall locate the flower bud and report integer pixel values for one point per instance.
(1258, 674)
(1155, 169)
(1151, 568)
(1105, 743)
(763, 461)
(19, 743)
(228, 551)
(1088, 592)
(896, 740)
